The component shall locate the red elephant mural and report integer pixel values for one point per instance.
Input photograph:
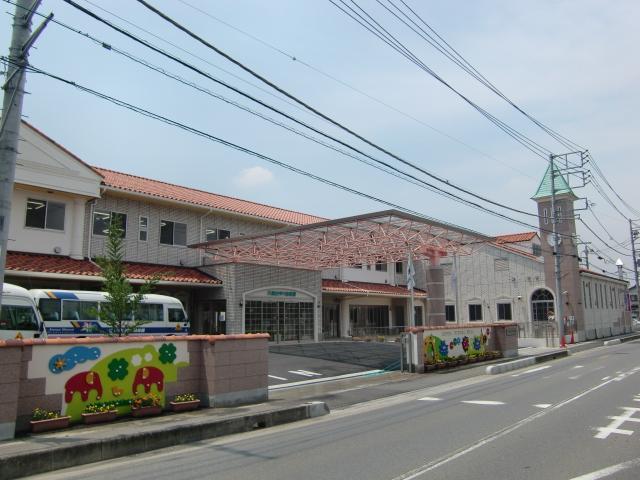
(147, 376)
(82, 382)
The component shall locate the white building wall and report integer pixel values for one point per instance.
(42, 240)
(604, 305)
(490, 276)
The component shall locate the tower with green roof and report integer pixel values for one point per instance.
(567, 249)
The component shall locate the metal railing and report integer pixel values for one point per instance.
(377, 331)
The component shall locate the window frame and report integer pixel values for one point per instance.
(46, 215)
(173, 234)
(446, 315)
(504, 305)
(474, 305)
(111, 213)
(144, 229)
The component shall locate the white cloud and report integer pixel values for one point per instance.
(254, 177)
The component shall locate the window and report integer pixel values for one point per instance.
(45, 214)
(18, 317)
(475, 312)
(504, 311)
(102, 221)
(150, 312)
(559, 214)
(450, 313)
(537, 249)
(143, 228)
(589, 290)
(211, 234)
(584, 293)
(177, 315)
(501, 265)
(381, 267)
(173, 233)
(79, 310)
(49, 309)
(398, 267)
(545, 215)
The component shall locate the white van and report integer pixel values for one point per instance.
(73, 313)
(19, 317)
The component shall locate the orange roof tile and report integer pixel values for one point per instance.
(338, 286)
(516, 237)
(169, 191)
(42, 263)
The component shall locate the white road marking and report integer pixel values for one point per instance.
(606, 378)
(300, 372)
(310, 373)
(578, 366)
(607, 472)
(531, 370)
(277, 378)
(427, 467)
(283, 386)
(542, 405)
(604, 432)
(575, 377)
(482, 402)
(429, 399)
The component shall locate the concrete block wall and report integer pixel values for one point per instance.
(239, 278)
(151, 251)
(223, 370)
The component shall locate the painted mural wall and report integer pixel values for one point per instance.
(111, 374)
(440, 345)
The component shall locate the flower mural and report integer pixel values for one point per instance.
(118, 377)
(465, 344)
(118, 369)
(476, 343)
(462, 342)
(167, 353)
(444, 349)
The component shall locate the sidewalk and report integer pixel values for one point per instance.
(79, 445)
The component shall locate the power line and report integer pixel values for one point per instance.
(430, 174)
(297, 59)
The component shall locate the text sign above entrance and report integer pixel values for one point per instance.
(281, 293)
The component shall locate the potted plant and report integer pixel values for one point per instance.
(429, 365)
(99, 413)
(462, 359)
(451, 362)
(44, 420)
(184, 402)
(146, 405)
(473, 358)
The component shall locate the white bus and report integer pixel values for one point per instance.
(19, 317)
(73, 313)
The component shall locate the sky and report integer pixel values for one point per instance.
(570, 64)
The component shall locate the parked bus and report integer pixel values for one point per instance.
(74, 313)
(19, 317)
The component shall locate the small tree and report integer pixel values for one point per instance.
(122, 302)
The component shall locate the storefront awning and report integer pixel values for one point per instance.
(386, 236)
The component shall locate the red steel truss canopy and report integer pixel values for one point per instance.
(386, 236)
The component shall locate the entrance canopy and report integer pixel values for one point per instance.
(386, 236)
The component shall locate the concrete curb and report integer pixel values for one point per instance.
(545, 357)
(508, 366)
(163, 436)
(616, 341)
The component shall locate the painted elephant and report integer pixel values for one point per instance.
(148, 376)
(83, 382)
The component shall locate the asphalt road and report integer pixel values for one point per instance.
(571, 418)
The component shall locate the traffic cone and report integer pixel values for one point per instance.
(563, 343)
(572, 340)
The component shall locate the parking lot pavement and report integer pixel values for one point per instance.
(290, 368)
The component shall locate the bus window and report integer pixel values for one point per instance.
(49, 309)
(78, 310)
(176, 315)
(150, 312)
(18, 317)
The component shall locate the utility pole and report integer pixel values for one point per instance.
(634, 234)
(554, 220)
(21, 42)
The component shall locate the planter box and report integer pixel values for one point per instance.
(428, 367)
(101, 417)
(184, 406)
(146, 411)
(38, 426)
